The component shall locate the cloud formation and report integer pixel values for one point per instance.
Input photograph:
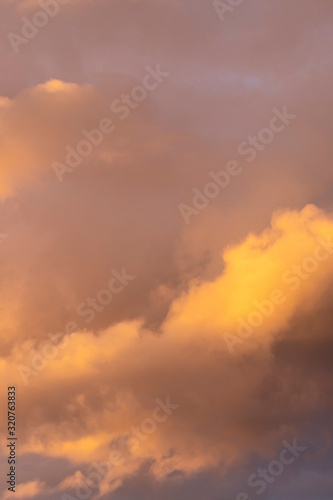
(230, 315)
(104, 383)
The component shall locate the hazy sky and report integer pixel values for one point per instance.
(166, 234)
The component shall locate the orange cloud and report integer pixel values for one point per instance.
(104, 384)
(49, 110)
(26, 490)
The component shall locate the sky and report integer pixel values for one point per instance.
(166, 249)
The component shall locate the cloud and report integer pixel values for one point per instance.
(26, 490)
(28, 122)
(165, 335)
(103, 384)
